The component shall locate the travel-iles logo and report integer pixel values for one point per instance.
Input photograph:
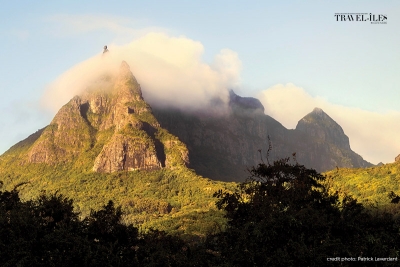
(369, 17)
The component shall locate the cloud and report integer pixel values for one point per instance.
(375, 136)
(169, 69)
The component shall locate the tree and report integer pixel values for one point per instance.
(47, 232)
(283, 216)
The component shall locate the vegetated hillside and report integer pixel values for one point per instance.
(106, 145)
(370, 185)
(282, 216)
(230, 143)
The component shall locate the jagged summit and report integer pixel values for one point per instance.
(320, 126)
(112, 121)
(247, 103)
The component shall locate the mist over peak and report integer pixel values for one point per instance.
(169, 69)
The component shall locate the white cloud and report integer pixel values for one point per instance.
(375, 136)
(169, 69)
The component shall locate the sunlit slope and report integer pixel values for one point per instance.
(368, 185)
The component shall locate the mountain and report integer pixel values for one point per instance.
(109, 143)
(111, 128)
(223, 147)
(113, 122)
(326, 146)
(105, 144)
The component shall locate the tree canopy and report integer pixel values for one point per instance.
(284, 216)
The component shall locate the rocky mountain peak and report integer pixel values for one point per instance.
(245, 103)
(112, 118)
(124, 68)
(319, 112)
(126, 84)
(320, 126)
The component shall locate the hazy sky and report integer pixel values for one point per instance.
(292, 55)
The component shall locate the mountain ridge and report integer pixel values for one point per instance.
(109, 143)
(232, 142)
(113, 122)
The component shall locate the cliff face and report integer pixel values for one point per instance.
(113, 118)
(322, 128)
(65, 137)
(223, 147)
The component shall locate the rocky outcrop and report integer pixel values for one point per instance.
(65, 137)
(325, 146)
(123, 152)
(112, 107)
(244, 103)
(397, 159)
(322, 128)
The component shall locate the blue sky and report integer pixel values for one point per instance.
(293, 55)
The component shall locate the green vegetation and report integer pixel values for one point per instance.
(371, 186)
(283, 215)
(175, 200)
(47, 232)
(165, 199)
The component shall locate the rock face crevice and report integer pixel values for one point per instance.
(117, 104)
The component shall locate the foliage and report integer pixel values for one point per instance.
(370, 186)
(171, 200)
(284, 216)
(46, 232)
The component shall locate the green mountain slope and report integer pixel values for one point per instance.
(106, 145)
(369, 186)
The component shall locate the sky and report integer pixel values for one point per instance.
(292, 55)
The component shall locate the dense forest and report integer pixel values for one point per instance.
(283, 215)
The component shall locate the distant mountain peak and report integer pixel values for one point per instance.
(321, 126)
(318, 111)
(247, 103)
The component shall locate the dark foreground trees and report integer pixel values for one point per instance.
(47, 232)
(282, 216)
